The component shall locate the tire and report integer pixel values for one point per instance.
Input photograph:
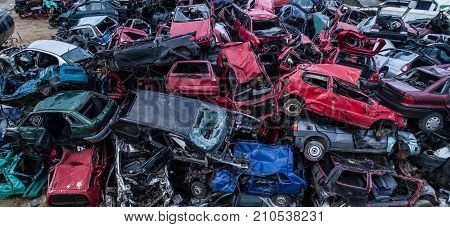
(314, 151)
(281, 200)
(423, 203)
(446, 167)
(293, 107)
(432, 122)
(199, 190)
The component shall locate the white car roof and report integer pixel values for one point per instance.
(91, 20)
(52, 46)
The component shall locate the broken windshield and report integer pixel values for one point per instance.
(208, 128)
(418, 79)
(191, 13)
(267, 27)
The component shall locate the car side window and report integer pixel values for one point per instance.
(92, 108)
(46, 60)
(34, 120)
(72, 120)
(82, 8)
(245, 22)
(316, 80)
(96, 6)
(347, 91)
(25, 60)
(443, 89)
(353, 179)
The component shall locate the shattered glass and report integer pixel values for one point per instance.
(208, 127)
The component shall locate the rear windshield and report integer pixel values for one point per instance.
(191, 68)
(191, 13)
(404, 56)
(267, 27)
(76, 55)
(93, 107)
(418, 79)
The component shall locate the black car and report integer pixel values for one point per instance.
(140, 55)
(194, 130)
(6, 26)
(91, 8)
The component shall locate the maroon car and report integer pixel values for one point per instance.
(421, 93)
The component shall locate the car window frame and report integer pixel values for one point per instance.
(316, 86)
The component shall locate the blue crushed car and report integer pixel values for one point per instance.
(273, 173)
(16, 91)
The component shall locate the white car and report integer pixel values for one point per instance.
(420, 9)
(45, 53)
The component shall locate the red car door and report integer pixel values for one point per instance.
(315, 91)
(349, 105)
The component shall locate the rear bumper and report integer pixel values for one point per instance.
(408, 112)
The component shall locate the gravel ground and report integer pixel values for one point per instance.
(27, 30)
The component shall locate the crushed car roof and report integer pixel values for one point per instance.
(258, 14)
(52, 46)
(67, 101)
(91, 20)
(339, 71)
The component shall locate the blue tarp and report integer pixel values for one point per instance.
(271, 171)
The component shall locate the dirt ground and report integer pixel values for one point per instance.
(27, 30)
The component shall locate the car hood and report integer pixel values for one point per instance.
(201, 28)
(71, 177)
(399, 85)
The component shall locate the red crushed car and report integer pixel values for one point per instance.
(248, 87)
(266, 5)
(261, 28)
(194, 18)
(76, 179)
(125, 34)
(194, 77)
(332, 91)
(357, 51)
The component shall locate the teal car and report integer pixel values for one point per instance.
(22, 174)
(66, 117)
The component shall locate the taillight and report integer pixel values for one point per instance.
(374, 78)
(407, 99)
(405, 68)
(294, 127)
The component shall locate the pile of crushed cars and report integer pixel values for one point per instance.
(228, 103)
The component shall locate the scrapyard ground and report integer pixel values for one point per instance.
(27, 30)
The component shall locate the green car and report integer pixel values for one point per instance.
(22, 174)
(64, 118)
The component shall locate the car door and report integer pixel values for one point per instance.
(359, 108)
(336, 107)
(315, 92)
(352, 185)
(32, 127)
(438, 95)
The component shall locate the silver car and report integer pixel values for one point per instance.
(392, 62)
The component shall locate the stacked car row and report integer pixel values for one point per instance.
(213, 105)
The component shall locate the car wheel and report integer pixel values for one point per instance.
(314, 151)
(432, 122)
(293, 107)
(281, 200)
(423, 203)
(446, 167)
(199, 190)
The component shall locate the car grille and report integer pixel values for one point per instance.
(68, 200)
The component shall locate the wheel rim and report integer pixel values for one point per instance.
(433, 123)
(197, 190)
(315, 151)
(292, 107)
(281, 200)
